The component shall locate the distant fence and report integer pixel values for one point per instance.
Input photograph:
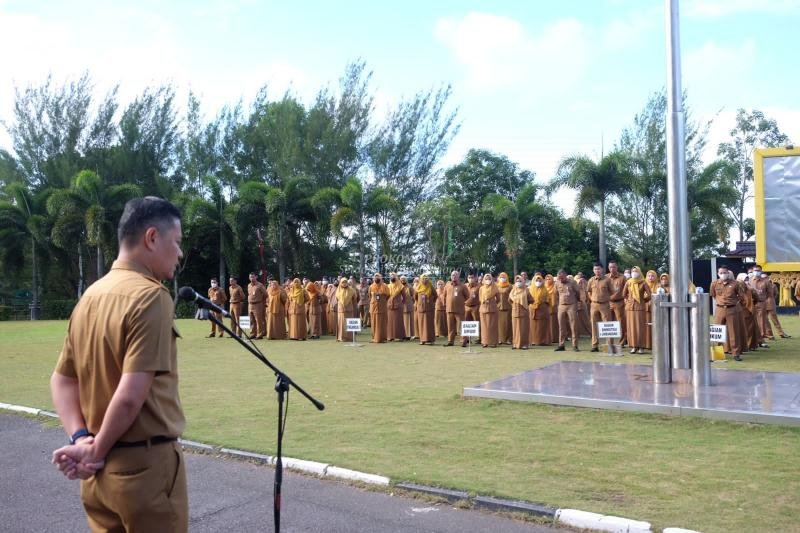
(18, 309)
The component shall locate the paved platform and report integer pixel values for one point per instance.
(739, 395)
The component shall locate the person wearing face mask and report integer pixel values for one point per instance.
(440, 316)
(347, 307)
(663, 282)
(504, 329)
(727, 294)
(276, 311)
(770, 306)
(298, 328)
(488, 297)
(456, 294)
(636, 294)
(378, 308)
(397, 298)
(598, 292)
(616, 302)
(539, 311)
(627, 274)
(408, 309)
(651, 279)
(471, 309)
(567, 297)
(425, 300)
(549, 285)
(217, 295)
(519, 299)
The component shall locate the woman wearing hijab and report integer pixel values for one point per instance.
(440, 319)
(752, 332)
(333, 320)
(378, 308)
(549, 284)
(315, 310)
(397, 300)
(636, 294)
(297, 310)
(488, 296)
(424, 307)
(346, 307)
(663, 282)
(276, 311)
(408, 309)
(504, 329)
(540, 313)
(652, 283)
(519, 299)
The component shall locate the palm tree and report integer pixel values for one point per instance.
(214, 213)
(24, 220)
(511, 213)
(595, 183)
(94, 205)
(357, 207)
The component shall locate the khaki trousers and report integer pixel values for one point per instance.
(258, 323)
(773, 316)
(567, 323)
(731, 318)
(599, 312)
(618, 314)
(454, 326)
(236, 312)
(215, 327)
(139, 489)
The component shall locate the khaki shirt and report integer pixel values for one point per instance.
(725, 293)
(617, 285)
(237, 294)
(217, 295)
(363, 295)
(455, 297)
(504, 304)
(256, 293)
(567, 292)
(123, 324)
(473, 289)
(599, 289)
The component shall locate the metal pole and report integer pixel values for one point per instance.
(701, 344)
(676, 191)
(660, 316)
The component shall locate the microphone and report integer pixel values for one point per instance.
(188, 294)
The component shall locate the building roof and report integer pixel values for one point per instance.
(743, 249)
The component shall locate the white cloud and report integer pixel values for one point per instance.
(496, 51)
(718, 69)
(722, 8)
(622, 33)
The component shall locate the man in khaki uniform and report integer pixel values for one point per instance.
(455, 296)
(769, 306)
(568, 295)
(727, 293)
(217, 295)
(616, 301)
(598, 292)
(236, 301)
(471, 310)
(256, 300)
(115, 386)
(363, 302)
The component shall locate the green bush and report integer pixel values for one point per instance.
(57, 309)
(6, 312)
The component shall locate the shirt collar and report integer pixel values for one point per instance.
(122, 264)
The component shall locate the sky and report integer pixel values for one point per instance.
(533, 80)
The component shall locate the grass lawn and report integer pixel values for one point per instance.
(396, 409)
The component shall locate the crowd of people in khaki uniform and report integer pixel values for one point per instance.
(543, 311)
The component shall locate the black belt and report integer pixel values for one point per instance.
(147, 442)
(726, 306)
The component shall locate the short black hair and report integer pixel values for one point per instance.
(597, 264)
(234, 278)
(613, 261)
(142, 213)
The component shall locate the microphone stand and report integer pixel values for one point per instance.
(282, 385)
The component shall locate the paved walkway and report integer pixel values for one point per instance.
(224, 495)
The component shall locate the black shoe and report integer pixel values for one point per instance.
(559, 349)
(737, 358)
(576, 349)
(448, 344)
(594, 349)
(785, 336)
(763, 345)
(211, 336)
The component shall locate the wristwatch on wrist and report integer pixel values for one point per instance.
(83, 432)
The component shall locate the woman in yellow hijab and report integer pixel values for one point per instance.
(636, 294)
(378, 296)
(276, 311)
(663, 282)
(549, 284)
(297, 310)
(540, 312)
(396, 330)
(504, 329)
(519, 298)
(315, 310)
(652, 283)
(424, 310)
(346, 307)
(488, 298)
